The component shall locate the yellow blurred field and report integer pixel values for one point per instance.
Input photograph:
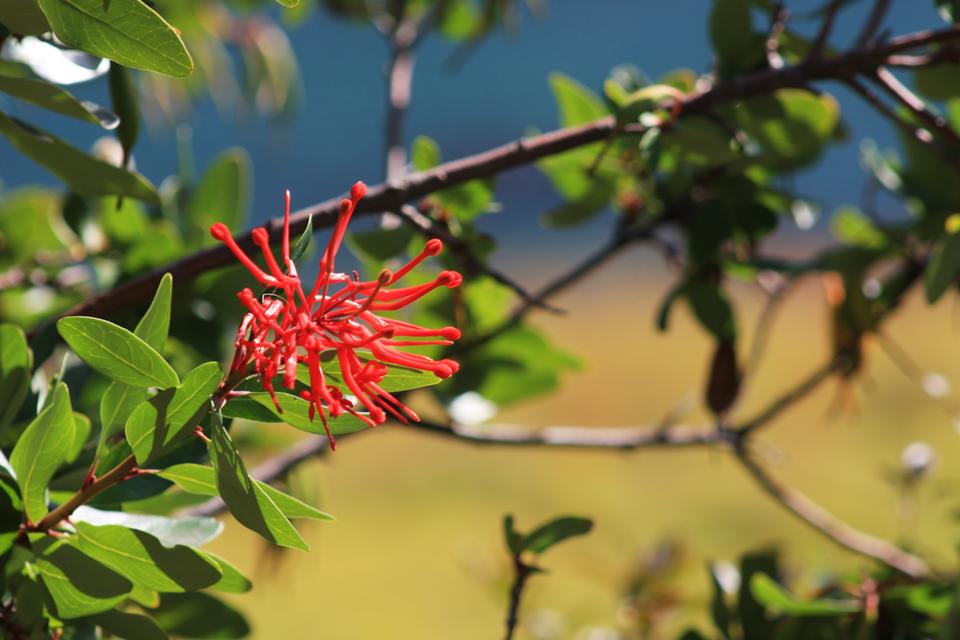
(416, 551)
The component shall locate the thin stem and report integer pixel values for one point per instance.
(820, 41)
(837, 531)
(879, 12)
(521, 572)
(113, 477)
(790, 397)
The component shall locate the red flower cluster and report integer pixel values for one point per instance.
(339, 316)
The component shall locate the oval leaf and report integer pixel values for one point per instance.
(116, 353)
(127, 31)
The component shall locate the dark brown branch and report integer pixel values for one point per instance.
(872, 25)
(521, 573)
(837, 531)
(820, 41)
(391, 196)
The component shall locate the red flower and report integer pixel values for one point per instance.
(339, 316)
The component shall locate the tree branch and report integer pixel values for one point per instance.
(837, 531)
(789, 398)
(391, 196)
(889, 83)
(820, 41)
(399, 82)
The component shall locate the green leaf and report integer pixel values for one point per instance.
(81, 431)
(23, 17)
(202, 480)
(127, 31)
(712, 308)
(555, 531)
(939, 82)
(719, 611)
(424, 153)
(84, 174)
(511, 537)
(576, 103)
(130, 626)
(246, 499)
(156, 423)
(768, 592)
(49, 96)
(116, 353)
(295, 412)
(379, 245)
(303, 242)
(170, 532)
(737, 46)
(232, 581)
(126, 104)
(41, 450)
(852, 227)
(223, 194)
(199, 616)
(116, 405)
(144, 560)
(289, 3)
(79, 585)
(16, 361)
(119, 400)
(943, 268)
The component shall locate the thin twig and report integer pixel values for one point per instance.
(837, 531)
(879, 12)
(429, 227)
(521, 573)
(778, 22)
(791, 397)
(820, 41)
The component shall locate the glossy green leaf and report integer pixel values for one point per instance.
(247, 501)
(81, 431)
(555, 531)
(23, 17)
(938, 82)
(511, 537)
(79, 585)
(576, 103)
(126, 104)
(129, 626)
(289, 3)
(116, 353)
(851, 226)
(202, 480)
(222, 195)
(187, 531)
(116, 405)
(156, 423)
(51, 97)
(768, 592)
(949, 9)
(144, 560)
(712, 308)
(84, 174)
(199, 616)
(16, 361)
(296, 413)
(126, 31)
(41, 450)
(737, 46)
(232, 581)
(943, 268)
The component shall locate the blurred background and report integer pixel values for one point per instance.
(416, 550)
